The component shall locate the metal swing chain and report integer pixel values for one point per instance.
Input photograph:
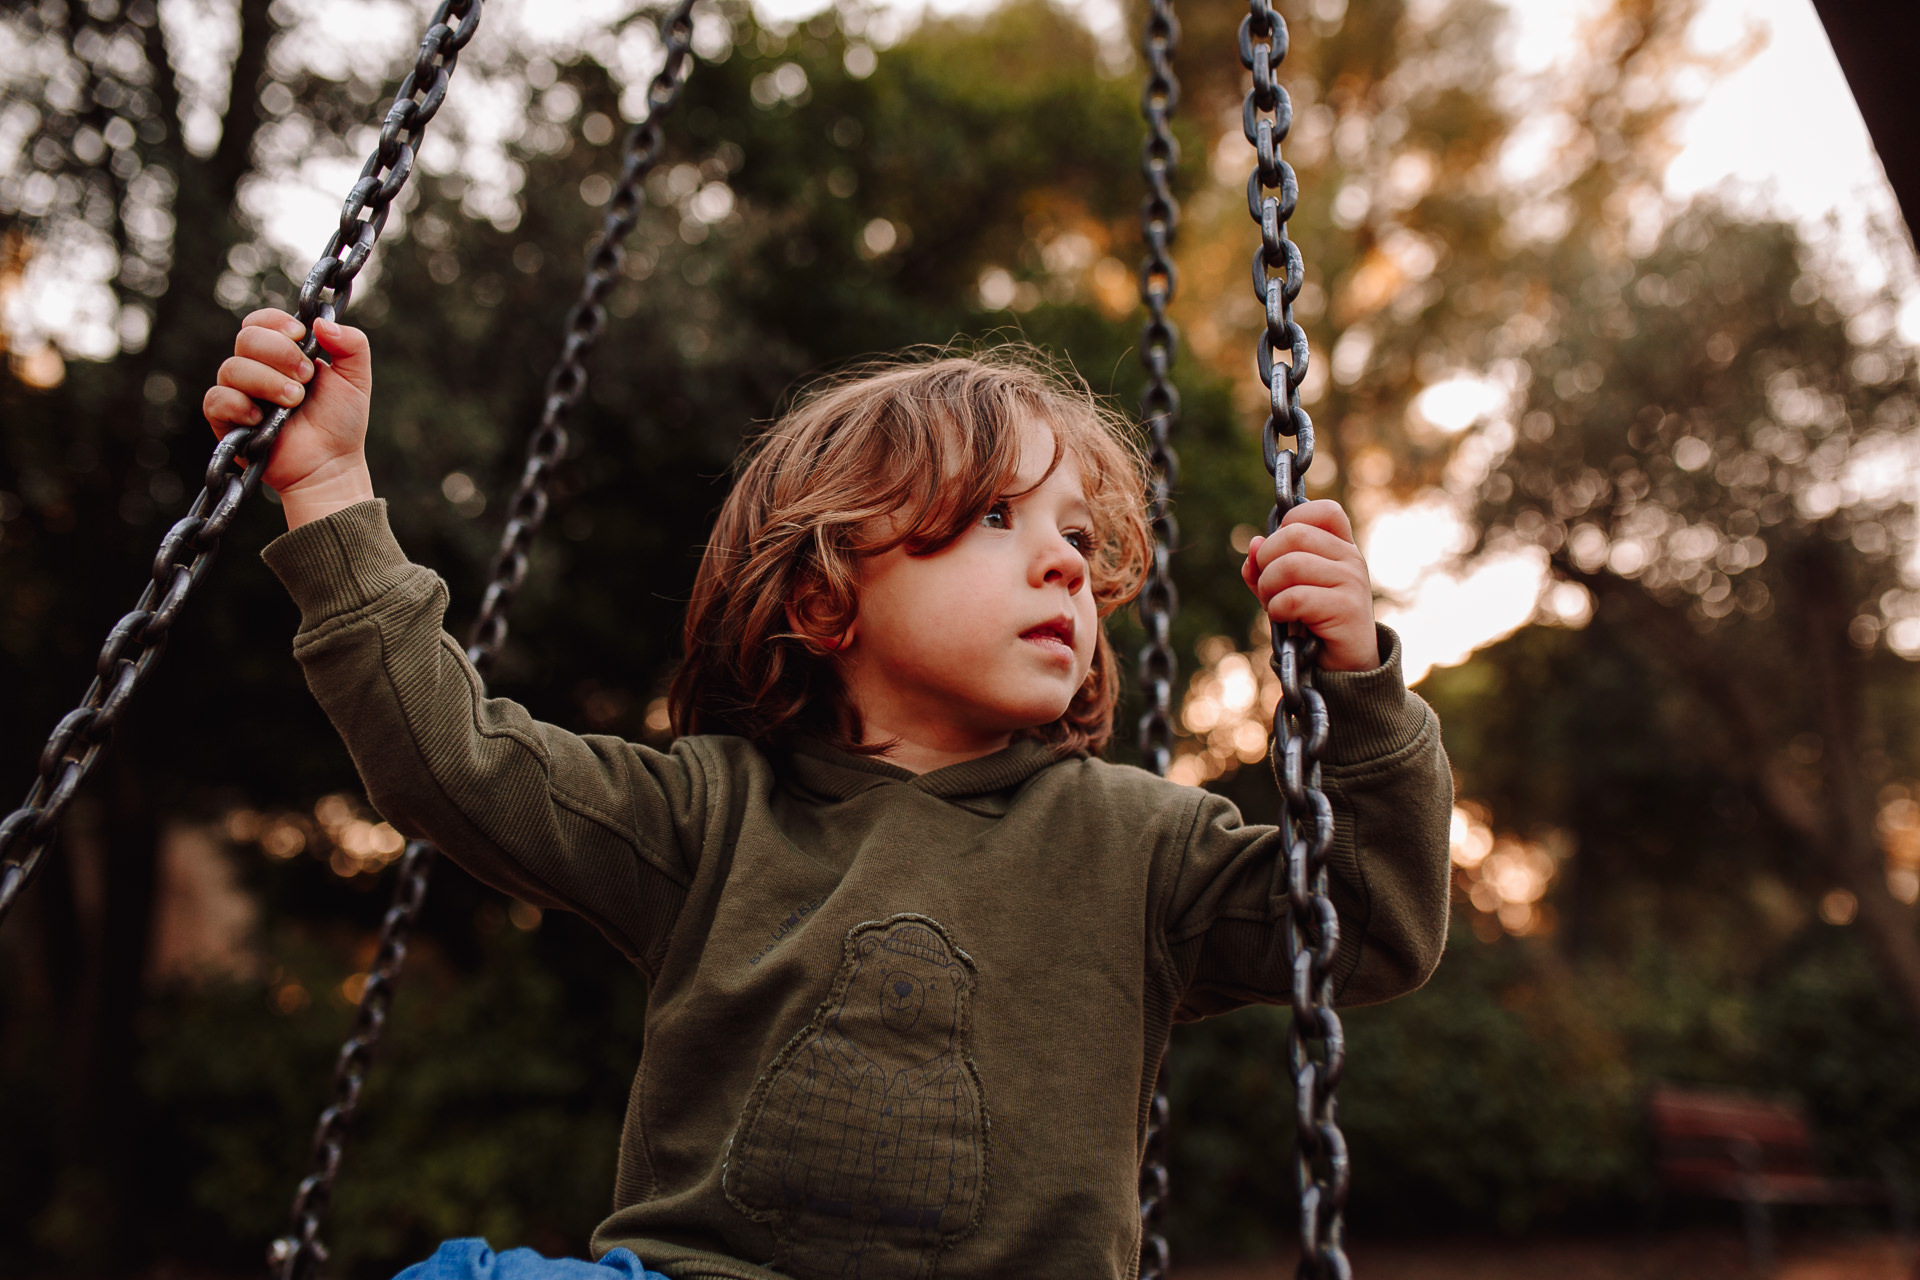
(135, 643)
(1316, 1045)
(643, 147)
(299, 1255)
(1159, 409)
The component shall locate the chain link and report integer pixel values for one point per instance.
(135, 643)
(299, 1255)
(1160, 402)
(1316, 1044)
(1159, 410)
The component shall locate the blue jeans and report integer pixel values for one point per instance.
(471, 1259)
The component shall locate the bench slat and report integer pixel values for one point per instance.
(1738, 1147)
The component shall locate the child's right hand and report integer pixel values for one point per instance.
(319, 465)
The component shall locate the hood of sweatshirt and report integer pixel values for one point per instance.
(984, 785)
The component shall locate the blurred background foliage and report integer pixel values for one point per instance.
(1688, 847)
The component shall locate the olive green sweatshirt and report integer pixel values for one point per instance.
(899, 1024)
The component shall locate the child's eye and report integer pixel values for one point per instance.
(1080, 540)
(999, 516)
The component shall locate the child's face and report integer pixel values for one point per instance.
(960, 649)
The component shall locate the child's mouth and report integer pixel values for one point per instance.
(1054, 635)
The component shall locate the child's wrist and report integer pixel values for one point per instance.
(1355, 651)
(319, 496)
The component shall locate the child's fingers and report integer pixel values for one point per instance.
(1322, 513)
(226, 409)
(1311, 607)
(1325, 611)
(276, 320)
(261, 381)
(1351, 643)
(276, 350)
(1303, 568)
(1250, 567)
(348, 352)
(1310, 571)
(1301, 536)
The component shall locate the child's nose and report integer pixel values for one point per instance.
(1058, 561)
(1062, 562)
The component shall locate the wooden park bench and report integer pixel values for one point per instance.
(1758, 1152)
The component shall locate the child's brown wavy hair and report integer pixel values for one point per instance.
(909, 451)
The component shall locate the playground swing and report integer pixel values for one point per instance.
(1315, 1041)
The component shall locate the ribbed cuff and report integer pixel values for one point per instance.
(338, 563)
(1372, 713)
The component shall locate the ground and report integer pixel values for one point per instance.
(1697, 1255)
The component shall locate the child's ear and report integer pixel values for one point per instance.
(815, 614)
(810, 635)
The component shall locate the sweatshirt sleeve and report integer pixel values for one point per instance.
(1386, 774)
(590, 824)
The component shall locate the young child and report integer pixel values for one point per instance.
(914, 949)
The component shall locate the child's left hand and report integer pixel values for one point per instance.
(1310, 571)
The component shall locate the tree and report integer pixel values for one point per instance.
(1734, 503)
(1566, 297)
(109, 170)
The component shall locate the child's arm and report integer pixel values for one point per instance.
(592, 825)
(604, 828)
(1386, 775)
(320, 463)
(1384, 772)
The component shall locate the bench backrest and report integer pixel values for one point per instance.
(1708, 1140)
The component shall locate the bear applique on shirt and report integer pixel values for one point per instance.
(864, 1144)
